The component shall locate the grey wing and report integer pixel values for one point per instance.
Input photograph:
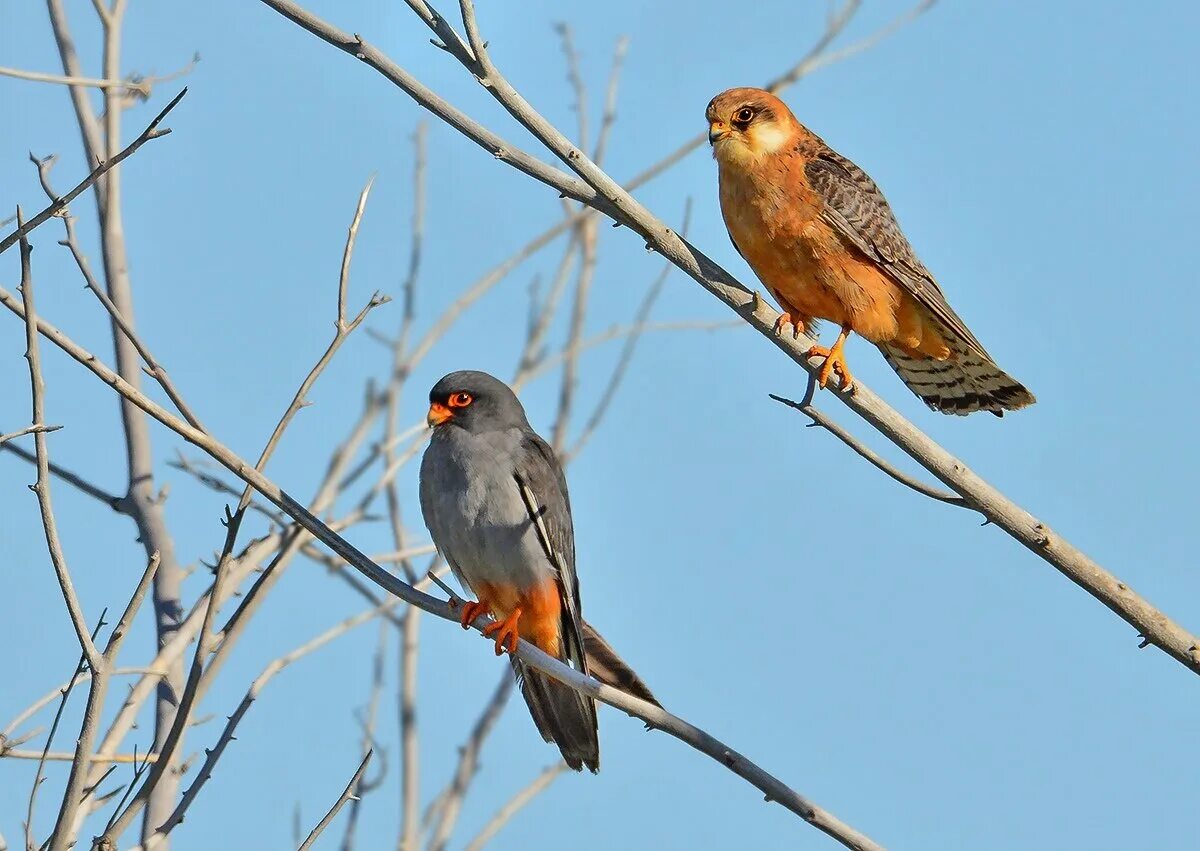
(538, 470)
(857, 210)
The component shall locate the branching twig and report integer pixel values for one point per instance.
(153, 368)
(152, 131)
(820, 419)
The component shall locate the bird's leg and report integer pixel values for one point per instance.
(471, 610)
(835, 361)
(507, 632)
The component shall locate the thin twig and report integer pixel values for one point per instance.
(153, 367)
(640, 320)
(32, 429)
(820, 419)
(369, 718)
(516, 804)
(80, 667)
(116, 503)
(450, 800)
(56, 207)
(347, 794)
(41, 487)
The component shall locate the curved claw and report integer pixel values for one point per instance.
(507, 636)
(785, 318)
(471, 610)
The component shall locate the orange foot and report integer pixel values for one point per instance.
(835, 361)
(785, 318)
(507, 632)
(471, 611)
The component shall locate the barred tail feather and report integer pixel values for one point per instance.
(563, 716)
(604, 664)
(966, 382)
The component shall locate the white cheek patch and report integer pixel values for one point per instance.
(769, 138)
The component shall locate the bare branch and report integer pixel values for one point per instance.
(819, 418)
(369, 743)
(41, 487)
(80, 667)
(154, 368)
(57, 206)
(37, 428)
(450, 800)
(516, 804)
(347, 794)
(214, 754)
(626, 357)
(116, 503)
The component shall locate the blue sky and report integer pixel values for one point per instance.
(926, 679)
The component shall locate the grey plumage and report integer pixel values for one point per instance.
(472, 476)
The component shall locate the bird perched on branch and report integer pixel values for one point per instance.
(495, 500)
(819, 234)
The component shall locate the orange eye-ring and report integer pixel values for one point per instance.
(743, 115)
(461, 400)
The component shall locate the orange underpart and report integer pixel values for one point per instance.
(538, 610)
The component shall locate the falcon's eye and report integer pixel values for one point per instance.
(461, 400)
(743, 115)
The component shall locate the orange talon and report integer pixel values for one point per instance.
(507, 632)
(785, 318)
(835, 361)
(471, 610)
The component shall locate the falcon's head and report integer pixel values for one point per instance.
(747, 123)
(475, 401)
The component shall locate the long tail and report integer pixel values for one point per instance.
(967, 382)
(605, 665)
(562, 715)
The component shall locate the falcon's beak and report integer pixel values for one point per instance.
(438, 414)
(716, 132)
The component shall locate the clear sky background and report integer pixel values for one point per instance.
(926, 679)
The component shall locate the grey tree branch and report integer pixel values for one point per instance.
(41, 487)
(821, 419)
(369, 743)
(348, 794)
(515, 805)
(32, 429)
(153, 367)
(113, 501)
(56, 207)
(450, 800)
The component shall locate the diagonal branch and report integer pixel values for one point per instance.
(515, 805)
(822, 420)
(348, 794)
(58, 205)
